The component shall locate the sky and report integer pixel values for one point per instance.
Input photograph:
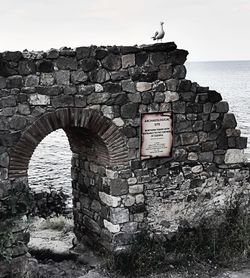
(210, 30)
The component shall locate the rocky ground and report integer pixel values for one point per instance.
(51, 244)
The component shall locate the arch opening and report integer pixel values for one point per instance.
(96, 143)
(49, 175)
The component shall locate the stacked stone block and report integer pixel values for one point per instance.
(96, 94)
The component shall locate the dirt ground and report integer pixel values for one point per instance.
(53, 250)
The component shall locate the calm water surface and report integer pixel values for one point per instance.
(51, 162)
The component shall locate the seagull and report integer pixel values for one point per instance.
(159, 35)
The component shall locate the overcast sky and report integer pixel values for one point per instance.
(208, 29)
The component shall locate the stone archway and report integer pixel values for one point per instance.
(106, 137)
(96, 143)
(41, 92)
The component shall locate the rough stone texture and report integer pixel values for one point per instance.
(37, 99)
(143, 86)
(119, 215)
(234, 156)
(111, 227)
(96, 94)
(110, 200)
(62, 77)
(128, 60)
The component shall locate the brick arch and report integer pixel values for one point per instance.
(112, 147)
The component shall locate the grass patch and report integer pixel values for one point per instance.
(59, 223)
(220, 240)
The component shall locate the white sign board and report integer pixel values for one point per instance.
(156, 135)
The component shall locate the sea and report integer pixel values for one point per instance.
(50, 165)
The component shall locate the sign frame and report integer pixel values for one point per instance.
(157, 114)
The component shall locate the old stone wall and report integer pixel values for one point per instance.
(96, 95)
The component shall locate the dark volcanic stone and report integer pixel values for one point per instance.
(128, 86)
(157, 58)
(121, 239)
(45, 66)
(229, 121)
(129, 110)
(241, 142)
(5, 69)
(206, 156)
(118, 187)
(196, 183)
(10, 139)
(52, 54)
(26, 67)
(200, 89)
(129, 131)
(118, 99)
(197, 125)
(194, 108)
(179, 72)
(214, 97)
(141, 58)
(66, 63)
(91, 225)
(49, 90)
(135, 73)
(165, 72)
(231, 142)
(62, 101)
(221, 107)
(172, 84)
(179, 107)
(82, 52)
(2, 82)
(129, 49)
(89, 64)
(137, 208)
(177, 57)
(8, 101)
(113, 49)
(112, 62)
(147, 98)
(112, 88)
(119, 75)
(209, 126)
(187, 96)
(188, 138)
(222, 140)
(202, 98)
(13, 56)
(100, 53)
(15, 81)
(166, 47)
(67, 51)
(18, 122)
(184, 85)
(185, 126)
(148, 76)
(159, 97)
(99, 76)
(208, 146)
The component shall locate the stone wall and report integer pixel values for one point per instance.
(96, 94)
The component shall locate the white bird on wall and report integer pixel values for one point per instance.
(159, 34)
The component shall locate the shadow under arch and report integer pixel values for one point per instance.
(89, 133)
